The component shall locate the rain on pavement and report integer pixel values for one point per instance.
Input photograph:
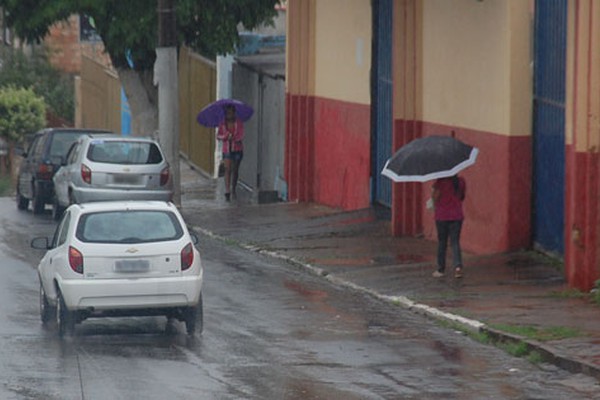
(271, 331)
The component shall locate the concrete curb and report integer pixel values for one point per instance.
(548, 354)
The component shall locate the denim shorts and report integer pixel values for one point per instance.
(234, 155)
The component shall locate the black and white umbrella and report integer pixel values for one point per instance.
(429, 158)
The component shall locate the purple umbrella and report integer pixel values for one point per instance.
(214, 113)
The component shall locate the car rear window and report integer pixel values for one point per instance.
(124, 152)
(62, 141)
(129, 226)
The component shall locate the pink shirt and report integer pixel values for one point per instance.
(449, 204)
(237, 134)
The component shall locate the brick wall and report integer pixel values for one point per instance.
(66, 50)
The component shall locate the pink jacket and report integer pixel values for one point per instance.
(237, 135)
(449, 204)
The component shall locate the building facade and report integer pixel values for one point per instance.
(517, 79)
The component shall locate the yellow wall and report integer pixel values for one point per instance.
(100, 101)
(197, 88)
(343, 50)
(477, 64)
(300, 40)
(583, 78)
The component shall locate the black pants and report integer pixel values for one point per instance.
(445, 230)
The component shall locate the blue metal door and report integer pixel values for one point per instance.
(381, 84)
(549, 124)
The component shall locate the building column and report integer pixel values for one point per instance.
(407, 199)
(300, 59)
(582, 194)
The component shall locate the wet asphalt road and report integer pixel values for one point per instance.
(270, 332)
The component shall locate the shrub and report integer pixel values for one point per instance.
(21, 112)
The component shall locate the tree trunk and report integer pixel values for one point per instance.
(142, 96)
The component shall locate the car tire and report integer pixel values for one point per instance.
(46, 310)
(64, 318)
(194, 318)
(22, 202)
(57, 210)
(37, 204)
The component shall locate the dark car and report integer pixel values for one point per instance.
(41, 161)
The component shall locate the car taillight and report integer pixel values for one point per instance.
(187, 257)
(164, 176)
(44, 171)
(75, 260)
(86, 174)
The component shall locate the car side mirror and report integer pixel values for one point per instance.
(194, 237)
(40, 243)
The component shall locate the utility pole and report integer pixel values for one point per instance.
(165, 76)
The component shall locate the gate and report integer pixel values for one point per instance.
(549, 124)
(381, 111)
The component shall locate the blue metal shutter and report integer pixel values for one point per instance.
(382, 99)
(549, 124)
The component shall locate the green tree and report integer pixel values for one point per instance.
(36, 72)
(129, 30)
(21, 112)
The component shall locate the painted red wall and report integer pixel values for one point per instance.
(498, 203)
(342, 154)
(328, 152)
(299, 147)
(581, 218)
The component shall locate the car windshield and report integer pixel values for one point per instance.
(128, 226)
(62, 141)
(124, 152)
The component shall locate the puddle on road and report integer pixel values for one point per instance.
(342, 262)
(379, 260)
(311, 294)
(402, 258)
(449, 353)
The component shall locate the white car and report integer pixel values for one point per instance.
(120, 259)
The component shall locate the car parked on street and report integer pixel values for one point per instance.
(132, 258)
(42, 159)
(108, 168)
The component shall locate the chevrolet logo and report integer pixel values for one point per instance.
(131, 250)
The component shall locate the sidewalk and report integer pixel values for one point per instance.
(356, 250)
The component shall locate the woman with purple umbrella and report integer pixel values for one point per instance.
(228, 115)
(231, 134)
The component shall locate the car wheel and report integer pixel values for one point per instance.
(38, 204)
(64, 318)
(57, 209)
(46, 310)
(194, 318)
(22, 202)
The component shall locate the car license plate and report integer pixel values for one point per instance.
(125, 179)
(132, 266)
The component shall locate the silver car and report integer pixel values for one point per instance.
(105, 168)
